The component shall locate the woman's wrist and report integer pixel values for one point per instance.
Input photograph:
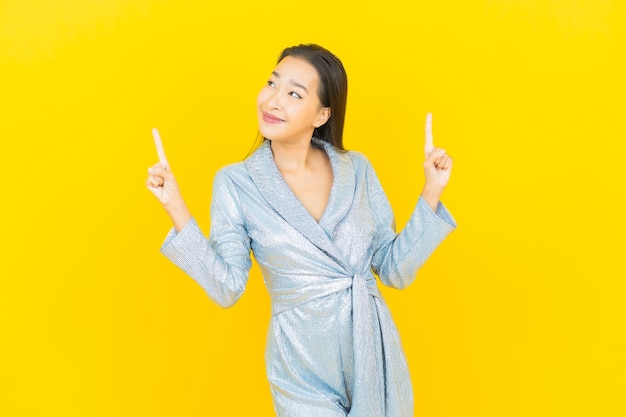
(432, 193)
(178, 212)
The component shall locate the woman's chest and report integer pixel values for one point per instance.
(277, 242)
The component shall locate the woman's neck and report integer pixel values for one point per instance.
(293, 156)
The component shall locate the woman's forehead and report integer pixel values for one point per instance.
(298, 70)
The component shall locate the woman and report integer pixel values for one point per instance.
(320, 227)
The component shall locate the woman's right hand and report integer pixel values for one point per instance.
(163, 185)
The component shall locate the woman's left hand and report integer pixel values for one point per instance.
(437, 167)
(438, 164)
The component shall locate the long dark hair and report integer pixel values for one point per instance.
(333, 88)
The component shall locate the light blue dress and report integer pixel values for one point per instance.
(332, 347)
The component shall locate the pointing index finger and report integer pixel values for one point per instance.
(428, 146)
(159, 147)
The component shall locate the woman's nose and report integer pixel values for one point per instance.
(273, 100)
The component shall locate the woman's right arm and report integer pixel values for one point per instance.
(220, 265)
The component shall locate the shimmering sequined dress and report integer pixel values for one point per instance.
(332, 347)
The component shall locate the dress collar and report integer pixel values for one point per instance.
(269, 181)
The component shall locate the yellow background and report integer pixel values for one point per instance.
(520, 311)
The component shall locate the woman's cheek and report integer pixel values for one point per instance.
(263, 96)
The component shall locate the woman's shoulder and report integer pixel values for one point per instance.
(235, 172)
(357, 156)
(358, 159)
(232, 169)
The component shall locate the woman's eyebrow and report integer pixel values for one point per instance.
(277, 75)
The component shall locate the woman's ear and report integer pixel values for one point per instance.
(322, 117)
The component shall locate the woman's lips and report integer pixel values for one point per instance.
(268, 118)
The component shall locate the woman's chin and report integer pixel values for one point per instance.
(266, 133)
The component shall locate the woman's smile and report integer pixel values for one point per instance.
(270, 118)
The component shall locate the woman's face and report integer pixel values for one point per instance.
(288, 107)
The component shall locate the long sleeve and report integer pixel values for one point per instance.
(220, 264)
(397, 257)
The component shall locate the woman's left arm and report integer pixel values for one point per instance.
(397, 257)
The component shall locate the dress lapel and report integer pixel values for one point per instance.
(343, 189)
(275, 190)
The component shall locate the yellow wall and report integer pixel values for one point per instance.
(519, 313)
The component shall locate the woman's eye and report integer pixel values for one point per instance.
(294, 94)
(271, 83)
